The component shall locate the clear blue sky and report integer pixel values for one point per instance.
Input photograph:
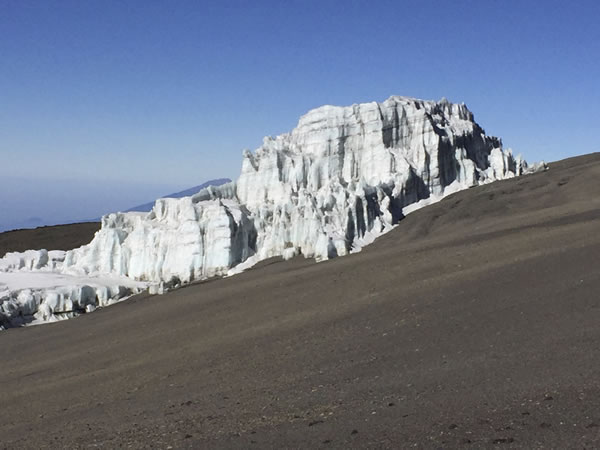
(106, 104)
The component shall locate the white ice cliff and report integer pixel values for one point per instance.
(342, 177)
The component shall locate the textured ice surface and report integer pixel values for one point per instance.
(342, 177)
(28, 296)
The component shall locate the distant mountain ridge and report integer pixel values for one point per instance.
(147, 207)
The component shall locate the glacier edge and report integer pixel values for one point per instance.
(341, 178)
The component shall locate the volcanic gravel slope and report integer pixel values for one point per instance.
(60, 237)
(475, 323)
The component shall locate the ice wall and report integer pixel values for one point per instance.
(342, 177)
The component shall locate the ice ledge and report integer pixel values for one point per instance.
(33, 297)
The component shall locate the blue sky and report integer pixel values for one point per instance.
(108, 104)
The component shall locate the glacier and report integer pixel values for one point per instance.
(340, 179)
